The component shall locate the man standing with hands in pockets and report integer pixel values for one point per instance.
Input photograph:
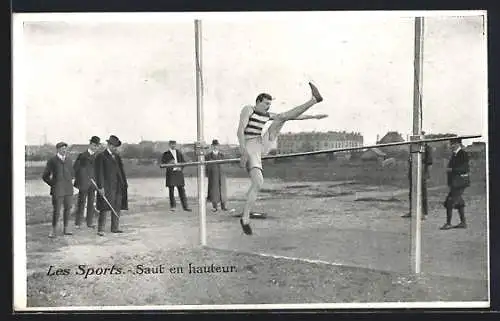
(58, 174)
(174, 177)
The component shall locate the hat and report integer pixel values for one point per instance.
(215, 142)
(61, 144)
(455, 141)
(172, 142)
(95, 140)
(113, 140)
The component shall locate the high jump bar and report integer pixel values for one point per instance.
(324, 151)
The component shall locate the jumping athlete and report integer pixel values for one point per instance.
(254, 141)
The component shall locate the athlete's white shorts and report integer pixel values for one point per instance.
(261, 145)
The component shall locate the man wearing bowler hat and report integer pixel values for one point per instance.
(174, 176)
(58, 174)
(217, 192)
(84, 172)
(112, 183)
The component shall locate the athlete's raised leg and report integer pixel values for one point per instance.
(299, 110)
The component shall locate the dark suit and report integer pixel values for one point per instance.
(84, 171)
(110, 175)
(175, 178)
(426, 162)
(58, 175)
(459, 165)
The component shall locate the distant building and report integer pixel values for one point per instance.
(158, 147)
(38, 149)
(373, 154)
(76, 149)
(393, 137)
(39, 152)
(163, 146)
(313, 141)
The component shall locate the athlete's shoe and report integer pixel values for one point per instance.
(315, 93)
(246, 228)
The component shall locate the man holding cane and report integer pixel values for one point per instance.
(112, 185)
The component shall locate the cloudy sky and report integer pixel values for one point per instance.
(136, 79)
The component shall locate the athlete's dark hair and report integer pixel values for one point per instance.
(263, 96)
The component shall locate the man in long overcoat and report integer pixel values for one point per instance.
(112, 183)
(174, 177)
(217, 191)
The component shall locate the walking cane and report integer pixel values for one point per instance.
(104, 197)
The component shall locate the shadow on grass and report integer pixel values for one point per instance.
(297, 186)
(329, 194)
(374, 199)
(314, 193)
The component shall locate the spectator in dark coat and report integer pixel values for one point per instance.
(84, 172)
(174, 177)
(112, 182)
(458, 180)
(217, 192)
(58, 174)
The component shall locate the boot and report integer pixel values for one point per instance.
(447, 225)
(462, 223)
(53, 233)
(67, 231)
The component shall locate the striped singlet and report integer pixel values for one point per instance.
(256, 123)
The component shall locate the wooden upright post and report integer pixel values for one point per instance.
(201, 157)
(416, 156)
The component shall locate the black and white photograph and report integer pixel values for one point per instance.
(250, 160)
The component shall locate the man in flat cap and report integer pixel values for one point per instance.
(58, 174)
(217, 192)
(112, 183)
(458, 180)
(84, 172)
(174, 177)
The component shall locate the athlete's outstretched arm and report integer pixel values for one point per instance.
(300, 117)
(304, 117)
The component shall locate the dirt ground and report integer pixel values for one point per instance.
(334, 242)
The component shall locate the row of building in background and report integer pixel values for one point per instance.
(311, 141)
(440, 149)
(286, 143)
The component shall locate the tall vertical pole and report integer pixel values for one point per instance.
(416, 156)
(201, 157)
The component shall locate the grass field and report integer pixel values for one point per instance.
(309, 170)
(333, 235)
